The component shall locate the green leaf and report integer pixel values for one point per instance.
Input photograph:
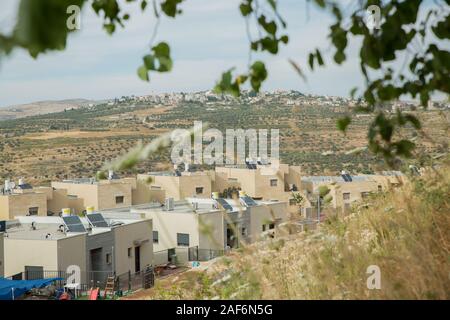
(143, 5)
(258, 74)
(170, 7)
(343, 123)
(162, 49)
(319, 58)
(246, 9)
(339, 57)
(414, 121)
(149, 62)
(143, 73)
(41, 25)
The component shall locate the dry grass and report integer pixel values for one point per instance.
(405, 232)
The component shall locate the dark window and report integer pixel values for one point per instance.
(263, 227)
(273, 182)
(183, 239)
(199, 190)
(119, 199)
(34, 272)
(346, 196)
(33, 211)
(272, 226)
(380, 188)
(244, 232)
(155, 237)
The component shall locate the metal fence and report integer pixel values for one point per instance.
(132, 281)
(97, 279)
(181, 256)
(196, 254)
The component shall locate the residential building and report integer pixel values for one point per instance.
(21, 200)
(274, 181)
(100, 194)
(347, 189)
(156, 186)
(38, 244)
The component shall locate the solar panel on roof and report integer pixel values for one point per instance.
(225, 205)
(97, 220)
(74, 224)
(248, 201)
(349, 177)
(344, 176)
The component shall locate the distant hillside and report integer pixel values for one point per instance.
(40, 107)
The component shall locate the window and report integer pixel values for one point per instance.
(292, 202)
(108, 258)
(155, 237)
(183, 239)
(273, 182)
(364, 194)
(346, 196)
(272, 226)
(119, 199)
(244, 232)
(380, 188)
(263, 227)
(130, 252)
(33, 211)
(199, 190)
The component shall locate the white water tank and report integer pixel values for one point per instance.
(169, 204)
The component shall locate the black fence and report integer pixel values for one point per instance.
(181, 256)
(133, 281)
(196, 254)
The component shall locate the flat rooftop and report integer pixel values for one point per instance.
(48, 228)
(355, 178)
(202, 206)
(90, 181)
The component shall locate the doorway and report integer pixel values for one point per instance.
(137, 259)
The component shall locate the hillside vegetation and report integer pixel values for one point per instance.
(405, 232)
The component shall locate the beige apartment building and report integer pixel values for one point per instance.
(100, 194)
(345, 191)
(157, 186)
(38, 244)
(263, 182)
(19, 201)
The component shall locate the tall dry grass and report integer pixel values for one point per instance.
(405, 232)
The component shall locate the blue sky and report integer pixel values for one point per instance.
(207, 39)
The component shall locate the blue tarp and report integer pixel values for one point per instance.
(21, 287)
